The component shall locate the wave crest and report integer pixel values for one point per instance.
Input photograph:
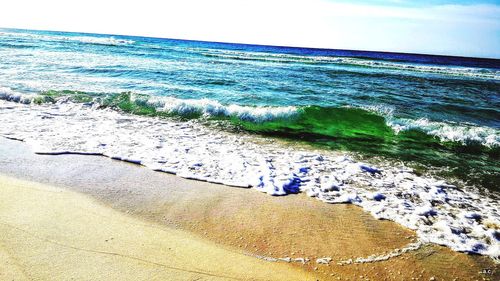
(111, 41)
(9, 95)
(212, 108)
(465, 134)
(445, 131)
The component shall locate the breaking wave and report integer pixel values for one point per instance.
(318, 121)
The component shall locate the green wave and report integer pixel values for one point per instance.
(339, 128)
(365, 132)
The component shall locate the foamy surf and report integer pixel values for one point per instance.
(211, 108)
(450, 132)
(438, 211)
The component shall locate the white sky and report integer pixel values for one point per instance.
(451, 29)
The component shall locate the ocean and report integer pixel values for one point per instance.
(411, 138)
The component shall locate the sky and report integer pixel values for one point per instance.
(460, 27)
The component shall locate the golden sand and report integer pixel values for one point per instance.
(53, 234)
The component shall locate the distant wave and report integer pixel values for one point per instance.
(286, 58)
(110, 41)
(482, 73)
(100, 40)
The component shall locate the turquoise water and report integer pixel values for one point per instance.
(434, 112)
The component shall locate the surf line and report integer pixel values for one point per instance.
(327, 260)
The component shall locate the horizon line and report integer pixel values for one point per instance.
(253, 44)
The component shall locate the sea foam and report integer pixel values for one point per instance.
(446, 131)
(451, 132)
(439, 212)
(211, 108)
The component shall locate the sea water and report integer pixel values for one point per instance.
(410, 138)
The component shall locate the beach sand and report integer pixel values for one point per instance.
(215, 228)
(54, 234)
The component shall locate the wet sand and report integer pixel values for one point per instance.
(248, 222)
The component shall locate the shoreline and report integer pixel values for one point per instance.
(293, 226)
(440, 212)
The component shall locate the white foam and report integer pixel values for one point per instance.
(445, 131)
(383, 257)
(438, 212)
(446, 70)
(99, 40)
(209, 108)
(9, 95)
(463, 133)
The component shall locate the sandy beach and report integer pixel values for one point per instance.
(54, 234)
(92, 218)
